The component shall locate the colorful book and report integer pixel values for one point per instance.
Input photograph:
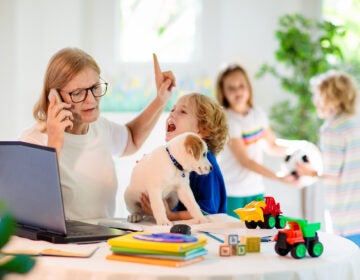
(128, 241)
(147, 251)
(153, 261)
(188, 255)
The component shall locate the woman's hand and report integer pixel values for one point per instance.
(145, 205)
(165, 81)
(59, 118)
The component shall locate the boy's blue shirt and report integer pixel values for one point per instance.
(209, 190)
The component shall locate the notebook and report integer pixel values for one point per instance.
(30, 187)
(128, 241)
(154, 261)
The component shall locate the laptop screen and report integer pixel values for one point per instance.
(30, 185)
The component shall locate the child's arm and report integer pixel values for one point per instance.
(237, 147)
(172, 216)
(273, 148)
(178, 215)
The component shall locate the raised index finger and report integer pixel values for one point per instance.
(157, 70)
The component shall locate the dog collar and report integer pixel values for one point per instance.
(176, 163)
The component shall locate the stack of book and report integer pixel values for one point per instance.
(167, 249)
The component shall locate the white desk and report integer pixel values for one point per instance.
(340, 260)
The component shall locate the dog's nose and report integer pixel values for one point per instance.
(210, 167)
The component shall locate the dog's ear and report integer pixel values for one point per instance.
(194, 146)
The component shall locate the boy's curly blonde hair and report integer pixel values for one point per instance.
(212, 121)
(337, 88)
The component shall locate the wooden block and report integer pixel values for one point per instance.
(253, 244)
(242, 239)
(225, 251)
(234, 250)
(241, 249)
(232, 239)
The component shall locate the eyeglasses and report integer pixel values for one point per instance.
(80, 95)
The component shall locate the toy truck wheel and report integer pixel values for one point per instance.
(298, 251)
(281, 251)
(280, 223)
(316, 249)
(251, 224)
(269, 221)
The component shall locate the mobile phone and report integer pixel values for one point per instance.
(56, 93)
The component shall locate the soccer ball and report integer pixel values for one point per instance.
(303, 151)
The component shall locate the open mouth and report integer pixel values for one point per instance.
(170, 126)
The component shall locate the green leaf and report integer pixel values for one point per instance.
(305, 48)
(15, 263)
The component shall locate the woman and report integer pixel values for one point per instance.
(84, 141)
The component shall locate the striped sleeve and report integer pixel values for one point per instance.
(333, 150)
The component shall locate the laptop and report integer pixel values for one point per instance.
(30, 187)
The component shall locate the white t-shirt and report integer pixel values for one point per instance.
(240, 181)
(87, 170)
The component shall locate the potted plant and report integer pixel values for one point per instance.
(11, 263)
(306, 48)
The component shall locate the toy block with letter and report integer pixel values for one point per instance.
(241, 249)
(232, 239)
(225, 251)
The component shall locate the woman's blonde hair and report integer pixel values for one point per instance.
(212, 121)
(337, 88)
(220, 95)
(62, 68)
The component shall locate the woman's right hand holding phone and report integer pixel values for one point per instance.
(59, 118)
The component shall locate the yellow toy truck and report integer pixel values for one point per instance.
(263, 213)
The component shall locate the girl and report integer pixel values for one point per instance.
(250, 135)
(200, 114)
(334, 96)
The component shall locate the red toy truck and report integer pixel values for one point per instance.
(263, 213)
(298, 238)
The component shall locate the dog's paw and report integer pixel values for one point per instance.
(164, 222)
(201, 220)
(134, 218)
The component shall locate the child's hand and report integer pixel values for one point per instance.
(291, 180)
(305, 169)
(146, 206)
(165, 81)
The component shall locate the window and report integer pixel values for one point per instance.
(346, 13)
(169, 28)
(164, 26)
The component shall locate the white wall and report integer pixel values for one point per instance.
(31, 31)
(239, 31)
